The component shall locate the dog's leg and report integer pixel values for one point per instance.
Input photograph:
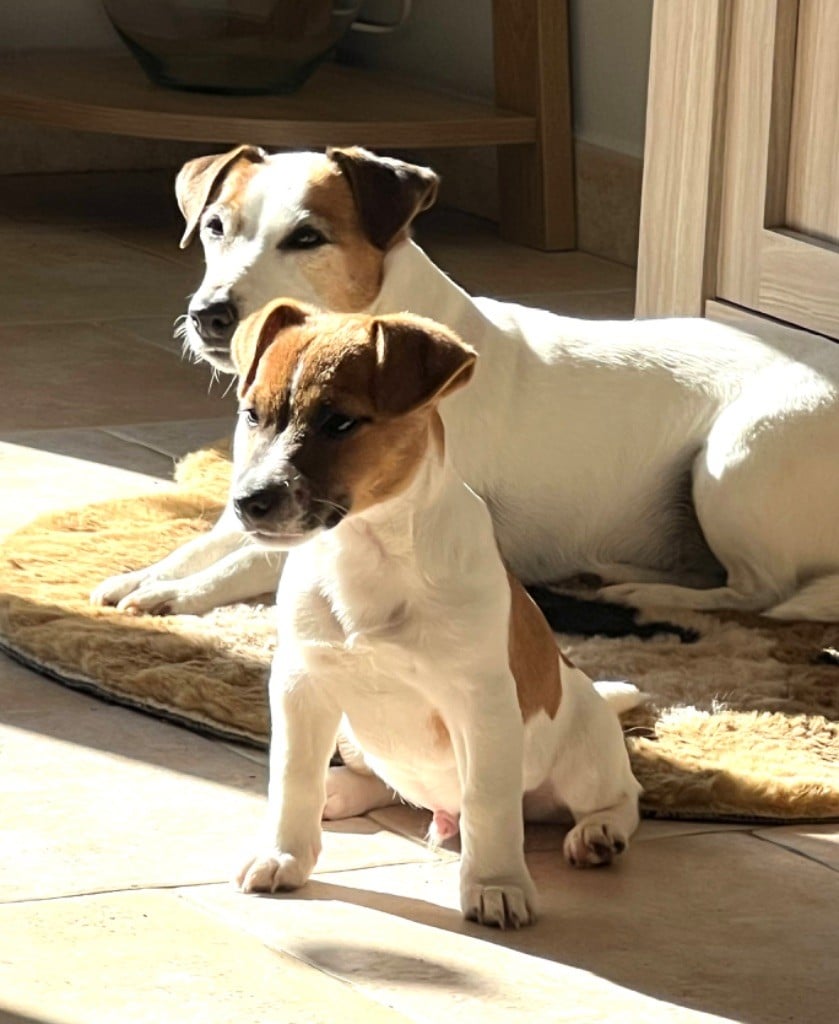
(239, 576)
(349, 794)
(303, 730)
(191, 557)
(664, 595)
(495, 885)
(217, 568)
(592, 776)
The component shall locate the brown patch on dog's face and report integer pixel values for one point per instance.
(231, 193)
(335, 379)
(199, 180)
(342, 410)
(388, 193)
(313, 226)
(533, 656)
(346, 274)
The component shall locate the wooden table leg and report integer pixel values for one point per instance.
(533, 76)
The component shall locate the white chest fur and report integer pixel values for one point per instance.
(387, 613)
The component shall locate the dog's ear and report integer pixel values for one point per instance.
(417, 362)
(388, 193)
(199, 179)
(256, 333)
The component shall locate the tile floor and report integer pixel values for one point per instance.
(118, 832)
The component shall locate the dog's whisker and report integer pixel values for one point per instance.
(332, 504)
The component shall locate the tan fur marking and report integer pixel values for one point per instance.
(233, 188)
(336, 363)
(381, 459)
(438, 434)
(566, 660)
(533, 656)
(199, 179)
(347, 273)
(439, 731)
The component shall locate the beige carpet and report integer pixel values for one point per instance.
(741, 725)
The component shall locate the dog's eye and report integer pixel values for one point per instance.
(304, 237)
(214, 227)
(337, 424)
(251, 417)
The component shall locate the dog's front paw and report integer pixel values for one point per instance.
(273, 872)
(500, 903)
(114, 589)
(164, 597)
(593, 844)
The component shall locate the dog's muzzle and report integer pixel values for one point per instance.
(284, 513)
(278, 509)
(214, 325)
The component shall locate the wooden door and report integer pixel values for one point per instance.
(756, 221)
(779, 217)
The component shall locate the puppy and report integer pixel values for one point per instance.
(397, 614)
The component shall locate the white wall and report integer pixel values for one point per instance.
(450, 43)
(610, 56)
(447, 42)
(30, 24)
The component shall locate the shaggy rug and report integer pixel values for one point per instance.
(742, 724)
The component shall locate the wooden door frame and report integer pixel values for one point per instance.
(683, 150)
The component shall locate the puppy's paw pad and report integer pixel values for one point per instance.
(500, 906)
(271, 873)
(593, 844)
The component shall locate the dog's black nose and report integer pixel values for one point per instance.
(215, 323)
(257, 505)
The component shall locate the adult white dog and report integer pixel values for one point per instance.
(683, 462)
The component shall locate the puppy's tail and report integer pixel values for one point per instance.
(620, 696)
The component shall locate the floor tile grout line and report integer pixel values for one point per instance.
(795, 851)
(93, 231)
(139, 247)
(94, 321)
(118, 891)
(114, 431)
(175, 886)
(557, 297)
